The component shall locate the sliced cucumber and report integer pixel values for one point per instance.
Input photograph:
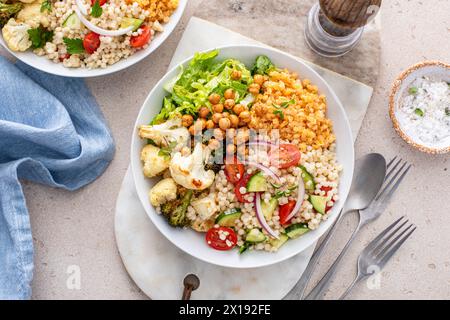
(269, 208)
(255, 236)
(228, 218)
(72, 22)
(277, 243)
(244, 247)
(319, 203)
(257, 183)
(296, 230)
(128, 22)
(308, 180)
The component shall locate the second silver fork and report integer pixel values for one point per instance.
(393, 179)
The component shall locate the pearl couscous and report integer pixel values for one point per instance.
(87, 33)
(247, 156)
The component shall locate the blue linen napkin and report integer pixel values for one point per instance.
(51, 132)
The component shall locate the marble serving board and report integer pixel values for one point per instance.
(157, 266)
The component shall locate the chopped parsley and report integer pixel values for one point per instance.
(74, 46)
(96, 10)
(285, 193)
(447, 111)
(413, 90)
(284, 105)
(39, 37)
(166, 151)
(279, 113)
(419, 112)
(46, 5)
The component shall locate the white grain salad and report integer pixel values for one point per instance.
(86, 33)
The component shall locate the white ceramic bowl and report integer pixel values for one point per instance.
(193, 242)
(48, 66)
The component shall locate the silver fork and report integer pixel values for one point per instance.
(380, 250)
(393, 179)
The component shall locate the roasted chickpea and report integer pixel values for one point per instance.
(238, 109)
(229, 104)
(210, 124)
(229, 94)
(203, 112)
(225, 114)
(245, 116)
(224, 123)
(214, 98)
(218, 107)
(254, 88)
(234, 120)
(218, 134)
(192, 130)
(213, 144)
(187, 120)
(216, 117)
(231, 148)
(236, 75)
(259, 79)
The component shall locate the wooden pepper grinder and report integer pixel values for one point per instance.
(334, 27)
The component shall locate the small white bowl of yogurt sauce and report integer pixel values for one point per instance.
(420, 106)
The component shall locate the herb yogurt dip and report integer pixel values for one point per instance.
(424, 113)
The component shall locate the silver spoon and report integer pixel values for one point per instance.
(368, 177)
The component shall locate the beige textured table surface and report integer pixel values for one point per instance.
(77, 228)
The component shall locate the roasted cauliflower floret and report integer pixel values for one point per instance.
(32, 15)
(154, 163)
(16, 35)
(162, 192)
(189, 171)
(205, 207)
(168, 134)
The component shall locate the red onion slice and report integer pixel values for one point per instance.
(261, 219)
(101, 31)
(300, 198)
(266, 170)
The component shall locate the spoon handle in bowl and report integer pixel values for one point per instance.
(298, 291)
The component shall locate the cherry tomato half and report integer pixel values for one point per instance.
(101, 2)
(239, 185)
(234, 171)
(213, 238)
(142, 39)
(285, 156)
(91, 42)
(285, 210)
(327, 189)
(64, 56)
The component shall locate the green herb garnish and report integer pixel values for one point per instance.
(96, 10)
(46, 5)
(39, 37)
(74, 46)
(285, 193)
(413, 90)
(447, 111)
(262, 65)
(419, 112)
(279, 113)
(165, 152)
